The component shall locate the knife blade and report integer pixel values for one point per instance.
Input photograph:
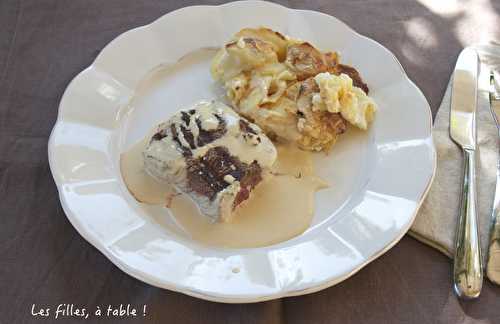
(493, 263)
(467, 264)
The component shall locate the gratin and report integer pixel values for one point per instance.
(290, 89)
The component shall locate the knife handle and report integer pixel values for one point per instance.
(467, 265)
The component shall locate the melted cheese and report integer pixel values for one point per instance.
(337, 94)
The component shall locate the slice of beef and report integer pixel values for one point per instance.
(208, 136)
(252, 177)
(198, 151)
(206, 174)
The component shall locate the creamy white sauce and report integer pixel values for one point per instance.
(280, 208)
(247, 149)
(141, 185)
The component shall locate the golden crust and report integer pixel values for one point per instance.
(305, 60)
(352, 73)
(331, 60)
(320, 130)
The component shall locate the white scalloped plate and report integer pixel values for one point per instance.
(379, 178)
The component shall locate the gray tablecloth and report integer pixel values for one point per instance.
(44, 261)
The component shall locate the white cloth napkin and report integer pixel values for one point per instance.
(437, 219)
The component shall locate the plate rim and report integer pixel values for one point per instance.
(217, 297)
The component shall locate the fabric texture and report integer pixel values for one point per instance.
(45, 262)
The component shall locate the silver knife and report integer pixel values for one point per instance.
(467, 265)
(493, 265)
